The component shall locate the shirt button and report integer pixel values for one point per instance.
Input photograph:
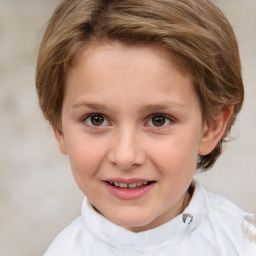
(248, 226)
(187, 218)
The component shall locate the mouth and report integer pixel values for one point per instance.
(130, 186)
(130, 189)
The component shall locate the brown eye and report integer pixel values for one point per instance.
(96, 120)
(159, 120)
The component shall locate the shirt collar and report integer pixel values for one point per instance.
(168, 233)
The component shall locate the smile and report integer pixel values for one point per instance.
(129, 185)
(129, 189)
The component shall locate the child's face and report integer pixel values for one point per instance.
(129, 116)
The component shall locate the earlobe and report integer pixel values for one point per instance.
(59, 136)
(214, 130)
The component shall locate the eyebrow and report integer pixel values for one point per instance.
(160, 107)
(143, 109)
(93, 106)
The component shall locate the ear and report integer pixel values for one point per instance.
(214, 130)
(59, 136)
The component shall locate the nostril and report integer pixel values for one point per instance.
(126, 160)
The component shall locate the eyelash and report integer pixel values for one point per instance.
(160, 115)
(94, 115)
(149, 119)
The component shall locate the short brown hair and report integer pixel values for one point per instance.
(195, 32)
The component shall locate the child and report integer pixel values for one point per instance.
(140, 94)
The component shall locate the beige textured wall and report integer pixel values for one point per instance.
(38, 196)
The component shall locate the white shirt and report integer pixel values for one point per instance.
(210, 226)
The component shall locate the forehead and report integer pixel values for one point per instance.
(104, 53)
(109, 49)
(138, 72)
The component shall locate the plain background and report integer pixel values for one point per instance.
(38, 196)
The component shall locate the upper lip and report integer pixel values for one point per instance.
(127, 181)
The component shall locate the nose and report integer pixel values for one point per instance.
(126, 149)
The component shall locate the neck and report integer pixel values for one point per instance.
(167, 216)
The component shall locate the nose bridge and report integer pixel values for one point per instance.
(126, 150)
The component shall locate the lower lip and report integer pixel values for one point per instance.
(129, 194)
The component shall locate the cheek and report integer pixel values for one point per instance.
(175, 156)
(85, 160)
(86, 157)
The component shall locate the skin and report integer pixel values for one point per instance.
(128, 87)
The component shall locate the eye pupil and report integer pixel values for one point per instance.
(158, 120)
(97, 120)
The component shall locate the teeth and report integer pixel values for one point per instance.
(123, 185)
(132, 185)
(128, 185)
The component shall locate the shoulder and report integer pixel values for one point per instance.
(231, 228)
(68, 241)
